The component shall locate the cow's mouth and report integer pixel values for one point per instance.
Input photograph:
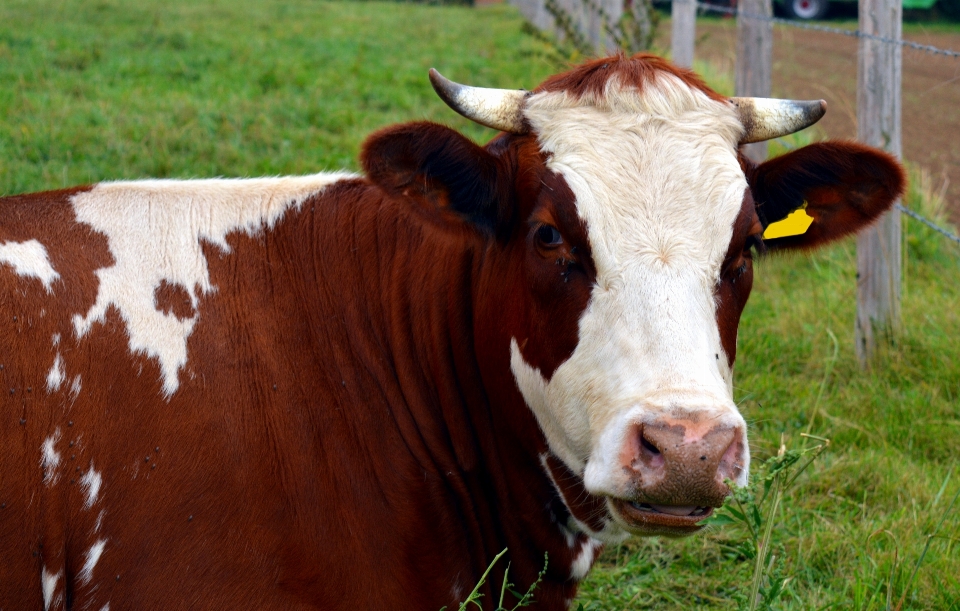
(660, 519)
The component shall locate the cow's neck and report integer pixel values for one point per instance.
(464, 427)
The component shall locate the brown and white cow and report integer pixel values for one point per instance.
(340, 391)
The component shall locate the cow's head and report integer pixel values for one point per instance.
(631, 219)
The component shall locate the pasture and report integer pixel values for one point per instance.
(97, 90)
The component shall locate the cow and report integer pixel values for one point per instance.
(353, 390)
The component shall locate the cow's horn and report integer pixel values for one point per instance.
(765, 118)
(496, 108)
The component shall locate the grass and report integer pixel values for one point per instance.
(102, 89)
(105, 89)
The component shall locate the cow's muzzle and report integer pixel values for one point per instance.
(678, 470)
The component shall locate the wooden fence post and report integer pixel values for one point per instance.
(878, 124)
(614, 12)
(584, 17)
(536, 13)
(754, 58)
(683, 15)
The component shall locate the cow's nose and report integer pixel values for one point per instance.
(683, 462)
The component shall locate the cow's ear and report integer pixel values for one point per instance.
(843, 186)
(435, 165)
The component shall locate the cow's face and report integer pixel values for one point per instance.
(642, 407)
(631, 215)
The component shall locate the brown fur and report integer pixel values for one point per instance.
(637, 71)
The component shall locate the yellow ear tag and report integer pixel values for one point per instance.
(796, 223)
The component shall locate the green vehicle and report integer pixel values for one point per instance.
(816, 9)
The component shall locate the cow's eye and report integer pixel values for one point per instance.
(549, 237)
(738, 267)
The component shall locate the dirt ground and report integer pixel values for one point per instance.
(811, 65)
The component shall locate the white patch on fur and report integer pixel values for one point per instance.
(56, 375)
(155, 229)
(75, 387)
(584, 560)
(657, 181)
(90, 485)
(50, 458)
(457, 590)
(93, 555)
(99, 522)
(29, 259)
(55, 339)
(48, 583)
(106, 607)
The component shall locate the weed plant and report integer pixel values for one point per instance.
(755, 508)
(524, 599)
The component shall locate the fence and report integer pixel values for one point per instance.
(590, 19)
(879, 89)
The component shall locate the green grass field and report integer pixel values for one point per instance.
(101, 89)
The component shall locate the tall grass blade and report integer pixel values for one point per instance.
(926, 547)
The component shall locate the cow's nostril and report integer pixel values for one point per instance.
(731, 462)
(649, 447)
(643, 453)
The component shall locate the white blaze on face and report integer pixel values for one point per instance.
(155, 229)
(29, 259)
(657, 181)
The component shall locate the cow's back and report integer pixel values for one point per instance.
(159, 433)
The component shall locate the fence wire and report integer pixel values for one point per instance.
(824, 28)
(928, 223)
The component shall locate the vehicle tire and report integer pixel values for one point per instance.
(951, 8)
(806, 9)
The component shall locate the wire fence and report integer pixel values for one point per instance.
(831, 30)
(928, 223)
(855, 34)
